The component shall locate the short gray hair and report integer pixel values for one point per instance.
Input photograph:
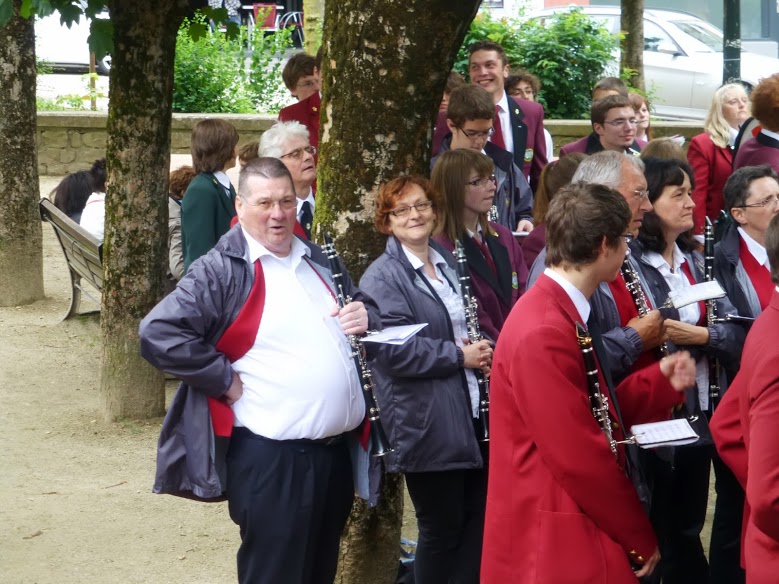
(605, 168)
(263, 167)
(273, 139)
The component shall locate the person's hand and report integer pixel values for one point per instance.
(353, 317)
(650, 565)
(478, 355)
(234, 392)
(651, 329)
(679, 369)
(682, 333)
(525, 226)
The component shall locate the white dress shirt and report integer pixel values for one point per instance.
(758, 251)
(454, 306)
(93, 216)
(309, 199)
(223, 180)
(505, 123)
(691, 314)
(299, 378)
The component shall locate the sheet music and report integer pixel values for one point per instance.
(668, 433)
(697, 293)
(394, 335)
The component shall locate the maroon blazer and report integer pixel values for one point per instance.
(711, 166)
(746, 433)
(527, 127)
(761, 149)
(496, 292)
(533, 244)
(560, 507)
(590, 144)
(307, 113)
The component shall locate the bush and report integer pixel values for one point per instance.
(568, 52)
(210, 73)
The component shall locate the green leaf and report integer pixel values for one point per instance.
(197, 30)
(101, 37)
(6, 11)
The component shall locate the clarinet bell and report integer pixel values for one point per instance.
(379, 443)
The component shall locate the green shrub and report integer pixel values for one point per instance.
(568, 52)
(211, 76)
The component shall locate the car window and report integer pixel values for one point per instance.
(705, 35)
(656, 40)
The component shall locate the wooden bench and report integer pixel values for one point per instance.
(83, 252)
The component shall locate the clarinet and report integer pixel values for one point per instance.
(379, 443)
(474, 336)
(599, 403)
(715, 366)
(633, 284)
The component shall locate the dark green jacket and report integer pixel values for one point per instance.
(206, 213)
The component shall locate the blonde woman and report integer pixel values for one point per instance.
(711, 154)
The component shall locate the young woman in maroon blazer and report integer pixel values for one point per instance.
(463, 178)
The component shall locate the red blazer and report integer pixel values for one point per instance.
(761, 149)
(307, 113)
(746, 431)
(711, 166)
(559, 506)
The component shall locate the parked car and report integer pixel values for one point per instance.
(66, 50)
(682, 59)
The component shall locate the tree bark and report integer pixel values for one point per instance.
(385, 66)
(138, 160)
(632, 45)
(313, 19)
(21, 251)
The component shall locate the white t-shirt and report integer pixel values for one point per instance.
(93, 216)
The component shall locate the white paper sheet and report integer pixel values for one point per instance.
(697, 293)
(394, 335)
(668, 433)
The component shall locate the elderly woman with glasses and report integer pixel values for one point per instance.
(289, 142)
(463, 178)
(427, 388)
(665, 256)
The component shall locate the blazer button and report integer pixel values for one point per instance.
(640, 558)
(615, 426)
(633, 552)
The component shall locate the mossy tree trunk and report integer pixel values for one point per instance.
(21, 252)
(313, 17)
(138, 160)
(632, 46)
(385, 65)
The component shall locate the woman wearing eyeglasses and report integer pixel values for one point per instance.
(665, 256)
(464, 180)
(289, 142)
(711, 153)
(426, 387)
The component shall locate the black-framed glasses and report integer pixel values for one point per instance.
(473, 134)
(641, 194)
(482, 182)
(622, 122)
(762, 204)
(297, 153)
(421, 207)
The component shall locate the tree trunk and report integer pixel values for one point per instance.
(385, 66)
(313, 17)
(21, 251)
(632, 46)
(138, 160)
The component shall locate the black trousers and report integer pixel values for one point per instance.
(291, 501)
(449, 507)
(683, 559)
(725, 549)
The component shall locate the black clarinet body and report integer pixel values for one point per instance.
(715, 367)
(633, 284)
(379, 443)
(474, 336)
(599, 403)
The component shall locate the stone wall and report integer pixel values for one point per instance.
(70, 141)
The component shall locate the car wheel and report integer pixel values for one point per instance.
(747, 86)
(103, 66)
